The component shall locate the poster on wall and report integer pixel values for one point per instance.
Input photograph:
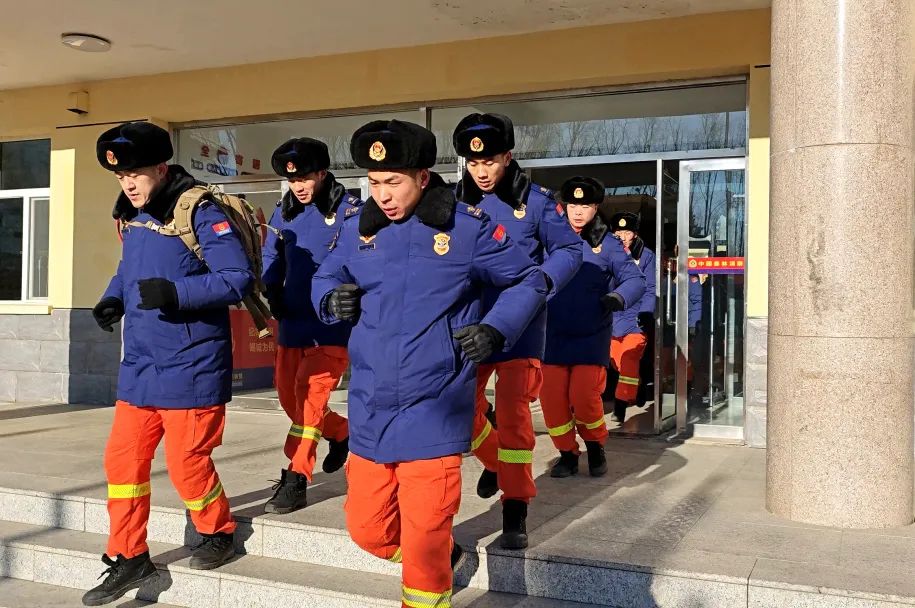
(252, 357)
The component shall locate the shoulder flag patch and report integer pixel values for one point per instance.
(222, 228)
(499, 234)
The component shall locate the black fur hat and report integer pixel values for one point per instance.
(383, 144)
(133, 145)
(300, 156)
(483, 135)
(624, 220)
(582, 191)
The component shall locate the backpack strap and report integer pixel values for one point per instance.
(182, 225)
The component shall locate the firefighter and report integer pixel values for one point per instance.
(176, 372)
(579, 321)
(311, 356)
(495, 183)
(407, 270)
(631, 325)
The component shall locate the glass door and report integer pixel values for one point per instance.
(704, 299)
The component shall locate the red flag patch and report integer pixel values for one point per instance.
(499, 234)
(560, 210)
(222, 228)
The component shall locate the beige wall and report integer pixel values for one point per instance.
(84, 245)
(758, 195)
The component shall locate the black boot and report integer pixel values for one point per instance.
(457, 556)
(214, 551)
(123, 575)
(488, 484)
(514, 525)
(619, 411)
(290, 493)
(336, 458)
(566, 466)
(597, 460)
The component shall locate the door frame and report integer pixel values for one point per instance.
(687, 168)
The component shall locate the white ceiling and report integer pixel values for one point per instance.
(155, 36)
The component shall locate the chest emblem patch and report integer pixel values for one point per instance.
(330, 219)
(597, 249)
(441, 245)
(520, 212)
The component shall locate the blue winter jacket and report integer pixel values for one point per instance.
(578, 326)
(411, 394)
(291, 261)
(178, 358)
(625, 322)
(537, 223)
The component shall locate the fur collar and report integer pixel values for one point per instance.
(162, 205)
(594, 231)
(327, 201)
(638, 246)
(514, 188)
(435, 208)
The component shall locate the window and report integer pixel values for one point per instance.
(213, 152)
(24, 219)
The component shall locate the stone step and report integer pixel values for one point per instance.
(69, 558)
(16, 593)
(578, 576)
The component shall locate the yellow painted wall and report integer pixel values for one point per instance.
(84, 247)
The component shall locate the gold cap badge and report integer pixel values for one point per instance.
(579, 193)
(290, 167)
(111, 158)
(377, 152)
(441, 246)
(476, 144)
(622, 223)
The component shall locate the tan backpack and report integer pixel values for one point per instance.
(241, 217)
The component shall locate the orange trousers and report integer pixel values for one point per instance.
(304, 379)
(626, 355)
(403, 512)
(190, 437)
(571, 398)
(509, 450)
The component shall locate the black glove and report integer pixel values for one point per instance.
(480, 341)
(108, 312)
(276, 301)
(612, 302)
(344, 302)
(645, 320)
(157, 293)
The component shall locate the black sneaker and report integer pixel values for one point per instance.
(597, 460)
(514, 525)
(566, 466)
(290, 493)
(336, 458)
(488, 484)
(123, 575)
(214, 551)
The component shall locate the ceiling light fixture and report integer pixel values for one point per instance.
(87, 43)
